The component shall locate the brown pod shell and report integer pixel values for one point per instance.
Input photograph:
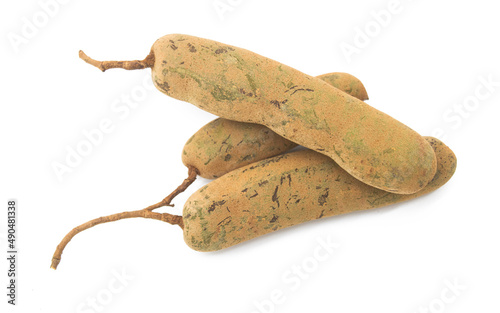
(224, 145)
(240, 85)
(284, 191)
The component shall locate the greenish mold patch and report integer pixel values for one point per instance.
(222, 94)
(183, 73)
(202, 189)
(354, 142)
(251, 82)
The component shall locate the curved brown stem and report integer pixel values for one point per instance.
(165, 217)
(144, 213)
(192, 173)
(127, 65)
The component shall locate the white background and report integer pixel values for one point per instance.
(420, 67)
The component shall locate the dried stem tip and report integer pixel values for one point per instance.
(128, 65)
(164, 217)
(144, 213)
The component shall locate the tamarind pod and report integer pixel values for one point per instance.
(277, 192)
(240, 85)
(223, 145)
(284, 191)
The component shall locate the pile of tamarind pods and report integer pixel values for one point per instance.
(354, 157)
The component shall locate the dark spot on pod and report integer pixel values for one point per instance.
(225, 140)
(227, 157)
(321, 214)
(164, 86)
(263, 183)
(254, 195)
(174, 47)
(215, 204)
(277, 103)
(220, 50)
(274, 219)
(265, 162)
(164, 62)
(244, 190)
(275, 196)
(192, 48)
(225, 221)
(188, 215)
(322, 198)
(247, 157)
(182, 62)
(301, 89)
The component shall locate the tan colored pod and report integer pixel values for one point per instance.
(224, 145)
(283, 191)
(240, 85)
(269, 195)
